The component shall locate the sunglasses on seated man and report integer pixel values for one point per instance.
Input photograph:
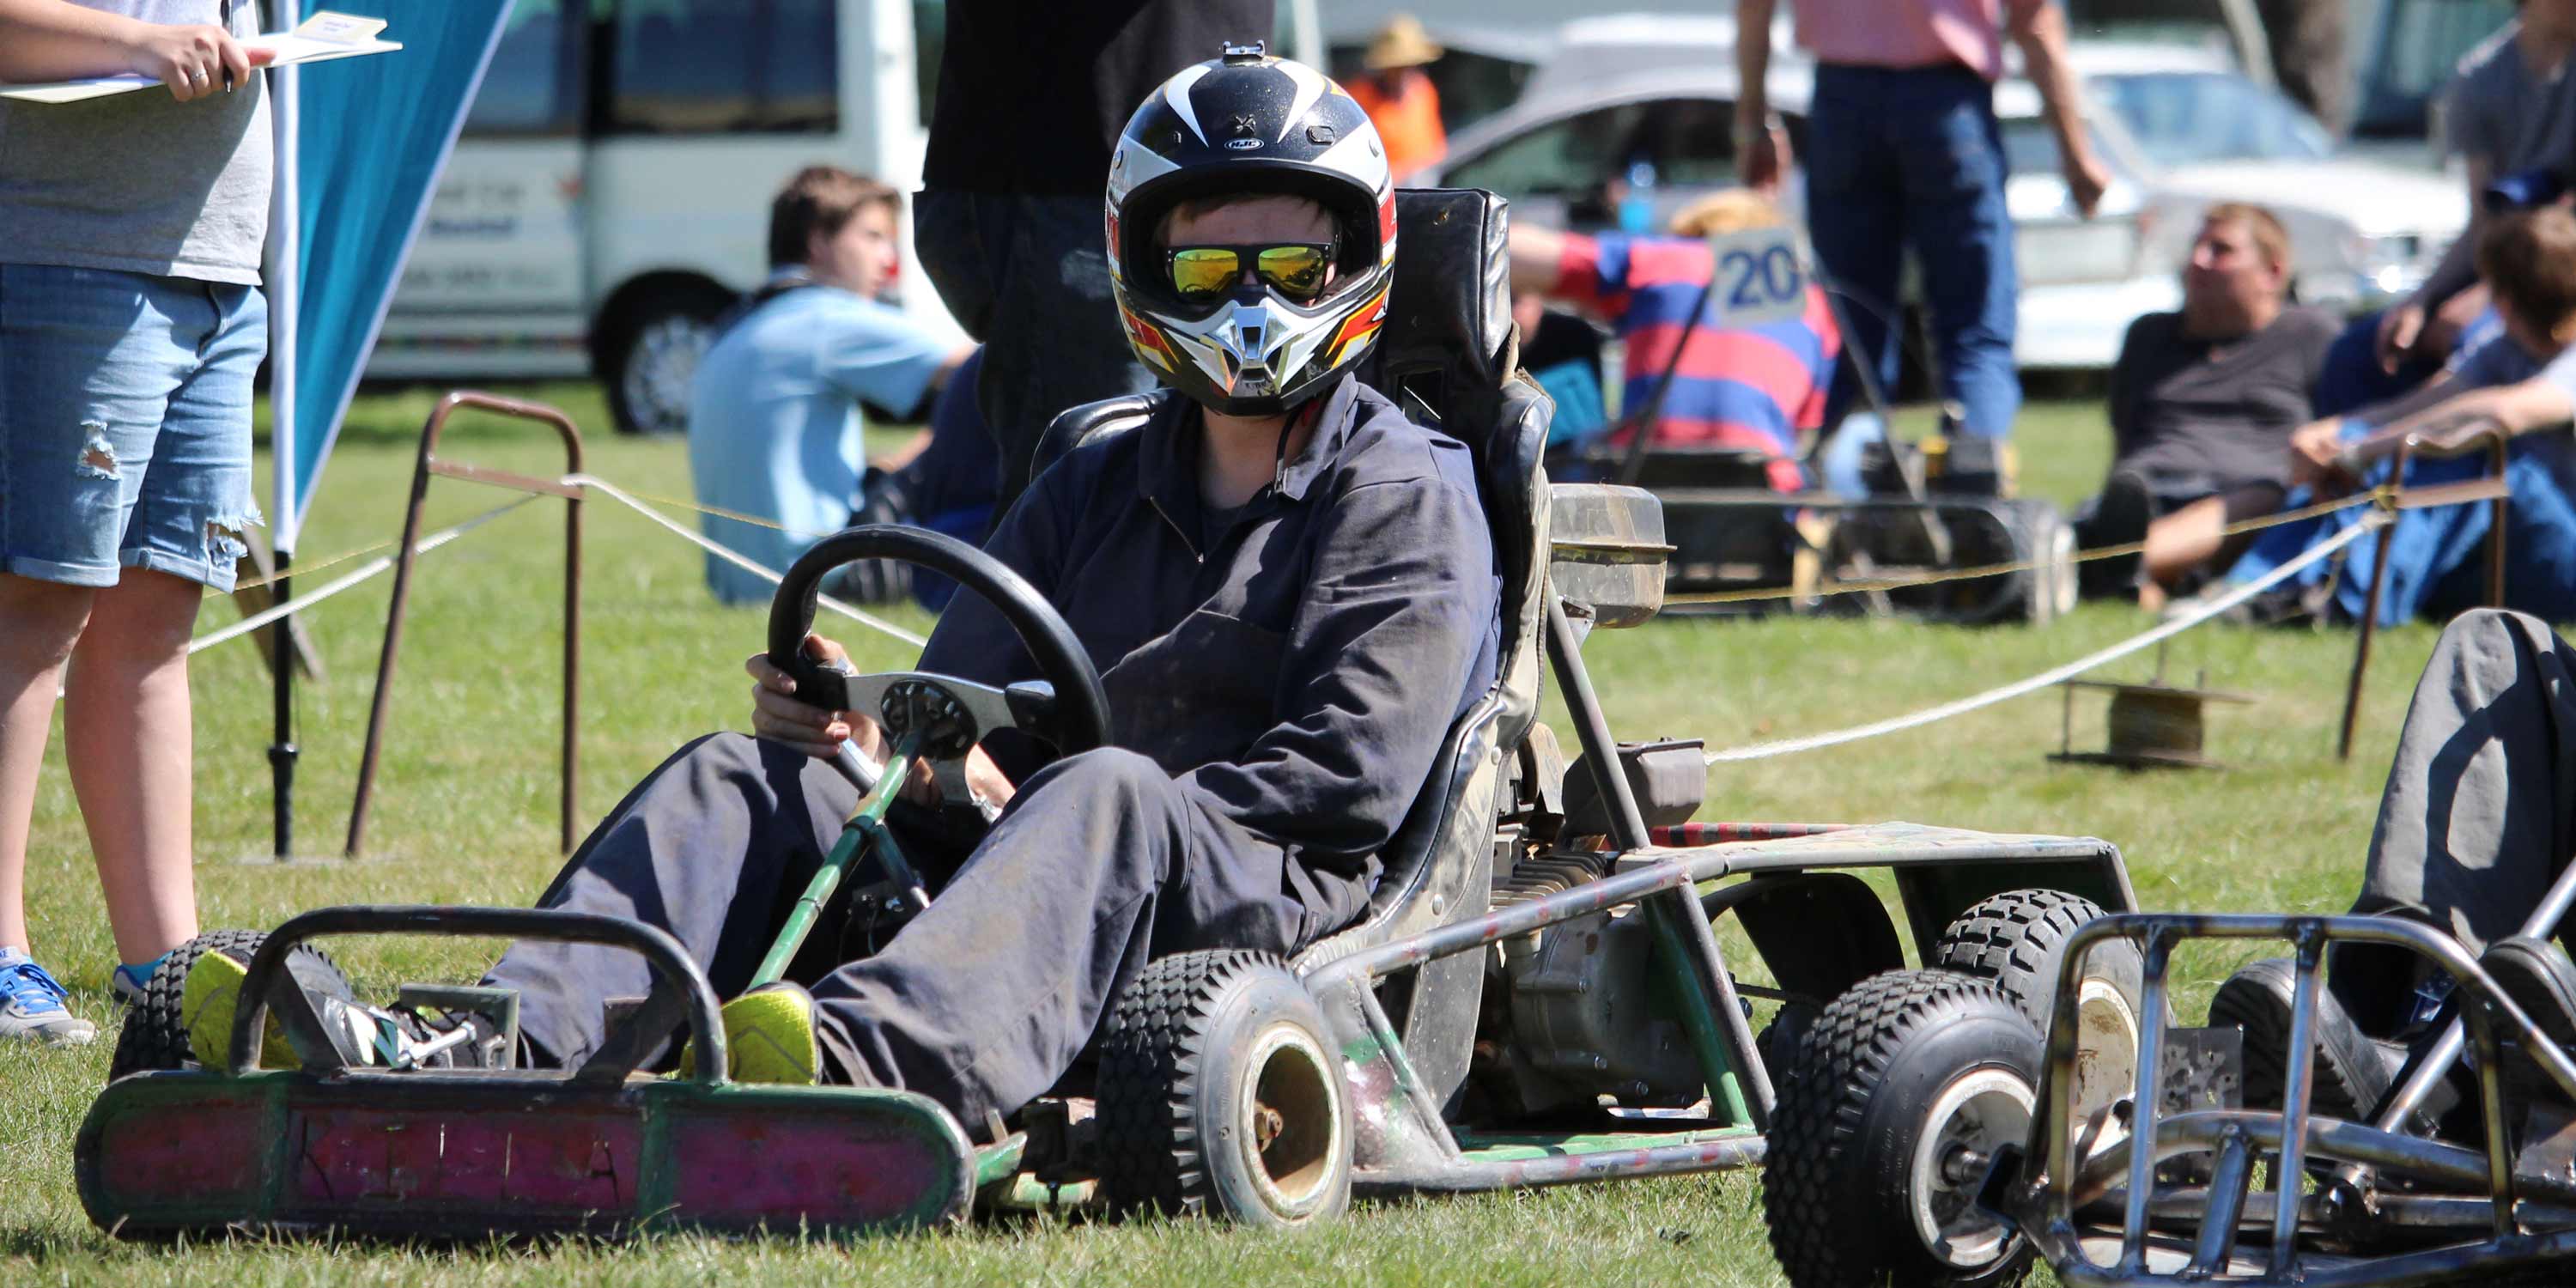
(1205, 274)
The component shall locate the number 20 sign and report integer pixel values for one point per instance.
(1761, 277)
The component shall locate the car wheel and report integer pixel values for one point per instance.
(653, 354)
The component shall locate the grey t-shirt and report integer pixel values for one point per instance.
(2501, 111)
(140, 182)
(2200, 416)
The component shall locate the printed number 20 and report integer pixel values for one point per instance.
(1773, 278)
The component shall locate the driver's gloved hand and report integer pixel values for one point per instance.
(874, 581)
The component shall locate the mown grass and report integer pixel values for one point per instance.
(466, 813)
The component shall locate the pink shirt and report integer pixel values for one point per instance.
(1910, 33)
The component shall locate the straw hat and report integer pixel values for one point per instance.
(1729, 211)
(1400, 43)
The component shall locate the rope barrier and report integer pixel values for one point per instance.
(2381, 495)
(303, 570)
(1929, 715)
(620, 495)
(301, 602)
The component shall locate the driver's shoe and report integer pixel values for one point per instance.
(769, 1038)
(2353, 1073)
(361, 1036)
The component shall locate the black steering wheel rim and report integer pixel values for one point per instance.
(1081, 708)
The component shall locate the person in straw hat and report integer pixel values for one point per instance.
(1399, 97)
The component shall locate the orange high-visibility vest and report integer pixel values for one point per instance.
(1409, 123)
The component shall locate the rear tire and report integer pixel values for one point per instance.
(2013, 940)
(156, 1033)
(1220, 1094)
(1902, 1087)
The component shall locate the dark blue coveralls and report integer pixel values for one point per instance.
(1279, 681)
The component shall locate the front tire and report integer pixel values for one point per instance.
(156, 1030)
(1220, 1094)
(1904, 1088)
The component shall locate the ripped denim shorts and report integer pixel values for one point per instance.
(125, 423)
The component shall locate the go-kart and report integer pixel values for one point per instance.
(1536, 994)
(2464, 1172)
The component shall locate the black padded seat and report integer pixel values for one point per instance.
(1447, 354)
(2536, 974)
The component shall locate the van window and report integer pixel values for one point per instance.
(534, 85)
(718, 67)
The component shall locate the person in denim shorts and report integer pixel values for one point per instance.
(131, 321)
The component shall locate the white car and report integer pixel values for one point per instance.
(1663, 87)
(2362, 232)
(2178, 127)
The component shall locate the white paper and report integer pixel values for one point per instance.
(322, 37)
(1761, 277)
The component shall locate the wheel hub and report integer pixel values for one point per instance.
(1977, 1112)
(1291, 1117)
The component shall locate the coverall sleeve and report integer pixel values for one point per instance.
(1400, 605)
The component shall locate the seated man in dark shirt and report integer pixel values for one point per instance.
(1289, 590)
(2203, 403)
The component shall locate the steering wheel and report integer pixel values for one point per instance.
(1064, 709)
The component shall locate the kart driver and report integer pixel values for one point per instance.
(1289, 590)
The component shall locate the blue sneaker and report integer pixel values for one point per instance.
(31, 1005)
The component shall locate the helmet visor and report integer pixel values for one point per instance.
(1205, 274)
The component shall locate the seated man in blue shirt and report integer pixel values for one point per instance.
(1290, 592)
(774, 421)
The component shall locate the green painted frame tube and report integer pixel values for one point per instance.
(864, 823)
(1698, 1009)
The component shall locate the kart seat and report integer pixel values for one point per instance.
(2536, 974)
(1448, 355)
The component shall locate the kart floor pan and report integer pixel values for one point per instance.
(476, 1154)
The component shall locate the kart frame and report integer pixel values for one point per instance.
(2388, 1185)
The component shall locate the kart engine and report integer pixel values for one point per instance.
(1577, 1011)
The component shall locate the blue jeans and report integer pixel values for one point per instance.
(1914, 157)
(2437, 557)
(1028, 276)
(125, 423)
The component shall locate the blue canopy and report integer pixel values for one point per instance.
(361, 144)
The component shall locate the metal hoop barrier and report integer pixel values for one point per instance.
(2399, 498)
(431, 466)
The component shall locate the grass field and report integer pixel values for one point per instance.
(466, 813)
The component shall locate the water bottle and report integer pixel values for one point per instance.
(1637, 208)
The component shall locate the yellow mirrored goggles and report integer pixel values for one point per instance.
(1203, 274)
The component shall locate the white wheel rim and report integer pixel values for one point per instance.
(1297, 1160)
(2106, 1048)
(657, 377)
(2062, 577)
(1980, 1110)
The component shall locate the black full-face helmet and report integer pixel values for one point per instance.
(1249, 123)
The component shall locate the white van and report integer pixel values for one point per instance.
(610, 194)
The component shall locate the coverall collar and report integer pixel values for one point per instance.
(1168, 463)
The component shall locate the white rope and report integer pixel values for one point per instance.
(345, 580)
(1930, 715)
(737, 560)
